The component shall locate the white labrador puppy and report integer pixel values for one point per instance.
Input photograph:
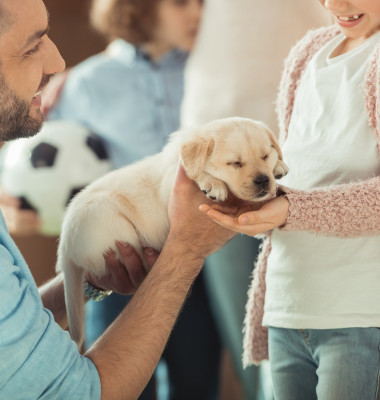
(130, 204)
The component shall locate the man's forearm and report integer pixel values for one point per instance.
(53, 298)
(127, 354)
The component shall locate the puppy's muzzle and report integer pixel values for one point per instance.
(262, 182)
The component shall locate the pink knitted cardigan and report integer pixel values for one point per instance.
(347, 210)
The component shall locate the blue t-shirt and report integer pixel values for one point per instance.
(132, 102)
(38, 360)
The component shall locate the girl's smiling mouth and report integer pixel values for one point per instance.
(349, 20)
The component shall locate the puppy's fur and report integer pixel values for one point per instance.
(130, 204)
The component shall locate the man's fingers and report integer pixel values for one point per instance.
(128, 254)
(133, 265)
(151, 255)
(117, 277)
(124, 276)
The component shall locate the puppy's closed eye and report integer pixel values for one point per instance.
(236, 164)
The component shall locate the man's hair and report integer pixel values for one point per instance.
(131, 20)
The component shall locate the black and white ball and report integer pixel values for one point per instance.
(46, 171)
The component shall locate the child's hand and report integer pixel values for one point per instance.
(270, 215)
(20, 222)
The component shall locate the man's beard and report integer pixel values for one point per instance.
(15, 121)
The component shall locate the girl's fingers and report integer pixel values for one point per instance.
(228, 221)
(247, 224)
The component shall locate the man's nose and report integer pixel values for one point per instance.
(53, 62)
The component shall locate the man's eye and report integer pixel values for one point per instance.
(33, 50)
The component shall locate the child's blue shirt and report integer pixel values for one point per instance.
(132, 102)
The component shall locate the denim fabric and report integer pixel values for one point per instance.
(325, 364)
(227, 276)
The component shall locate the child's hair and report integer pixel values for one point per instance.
(131, 20)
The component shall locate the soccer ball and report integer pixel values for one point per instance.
(49, 169)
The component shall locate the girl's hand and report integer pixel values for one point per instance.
(250, 220)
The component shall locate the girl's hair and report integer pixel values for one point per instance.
(131, 20)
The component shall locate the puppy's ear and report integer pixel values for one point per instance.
(280, 169)
(274, 143)
(194, 154)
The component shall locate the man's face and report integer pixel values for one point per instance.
(27, 59)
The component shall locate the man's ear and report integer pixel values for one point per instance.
(194, 154)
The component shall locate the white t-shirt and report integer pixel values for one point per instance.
(317, 281)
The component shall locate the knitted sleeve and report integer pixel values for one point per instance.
(372, 93)
(255, 341)
(348, 210)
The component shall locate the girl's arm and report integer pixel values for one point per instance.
(348, 210)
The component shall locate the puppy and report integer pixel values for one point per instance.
(130, 204)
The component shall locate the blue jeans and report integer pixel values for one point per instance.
(227, 276)
(325, 364)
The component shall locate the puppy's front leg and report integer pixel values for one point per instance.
(212, 187)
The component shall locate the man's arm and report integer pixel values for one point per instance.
(53, 298)
(126, 355)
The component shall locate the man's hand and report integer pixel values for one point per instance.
(249, 219)
(189, 228)
(123, 278)
(19, 222)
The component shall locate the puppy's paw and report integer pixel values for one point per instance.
(213, 188)
(280, 170)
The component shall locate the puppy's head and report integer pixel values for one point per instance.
(241, 152)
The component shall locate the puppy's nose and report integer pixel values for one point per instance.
(262, 181)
